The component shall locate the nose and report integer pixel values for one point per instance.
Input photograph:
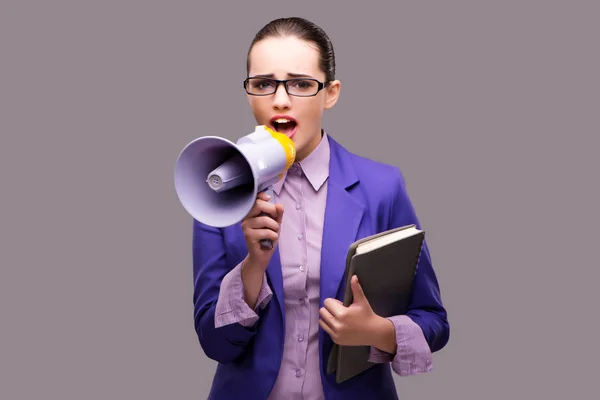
(281, 100)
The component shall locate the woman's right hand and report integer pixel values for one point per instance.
(257, 227)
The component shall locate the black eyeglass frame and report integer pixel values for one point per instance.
(320, 85)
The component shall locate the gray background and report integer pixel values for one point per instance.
(489, 108)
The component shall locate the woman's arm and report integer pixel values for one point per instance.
(254, 281)
(425, 328)
(408, 341)
(223, 320)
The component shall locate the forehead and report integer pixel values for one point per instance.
(283, 55)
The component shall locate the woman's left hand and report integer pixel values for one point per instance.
(356, 325)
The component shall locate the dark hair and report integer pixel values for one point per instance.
(302, 29)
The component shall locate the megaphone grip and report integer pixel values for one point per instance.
(267, 244)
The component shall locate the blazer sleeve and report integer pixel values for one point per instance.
(210, 266)
(426, 308)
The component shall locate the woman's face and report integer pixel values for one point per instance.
(284, 58)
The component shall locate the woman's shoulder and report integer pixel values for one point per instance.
(364, 162)
(370, 170)
(376, 173)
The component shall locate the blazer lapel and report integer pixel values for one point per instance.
(343, 215)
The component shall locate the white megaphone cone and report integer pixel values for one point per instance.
(217, 181)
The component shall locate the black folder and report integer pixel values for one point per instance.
(385, 264)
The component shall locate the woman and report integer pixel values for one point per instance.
(270, 318)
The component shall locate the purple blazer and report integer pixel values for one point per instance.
(364, 197)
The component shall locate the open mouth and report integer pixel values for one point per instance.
(286, 126)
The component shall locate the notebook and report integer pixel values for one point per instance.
(385, 264)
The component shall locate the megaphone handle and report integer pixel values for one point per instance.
(267, 244)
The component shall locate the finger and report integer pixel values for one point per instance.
(263, 222)
(326, 328)
(263, 196)
(325, 314)
(357, 292)
(335, 307)
(256, 235)
(328, 318)
(262, 206)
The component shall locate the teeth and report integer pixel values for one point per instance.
(281, 120)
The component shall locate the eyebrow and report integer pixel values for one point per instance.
(290, 74)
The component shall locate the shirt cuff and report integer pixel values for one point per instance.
(231, 306)
(413, 355)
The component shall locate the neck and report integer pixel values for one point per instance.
(309, 147)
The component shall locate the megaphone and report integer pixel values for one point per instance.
(217, 181)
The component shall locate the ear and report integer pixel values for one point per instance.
(332, 93)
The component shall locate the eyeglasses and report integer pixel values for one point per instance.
(301, 87)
